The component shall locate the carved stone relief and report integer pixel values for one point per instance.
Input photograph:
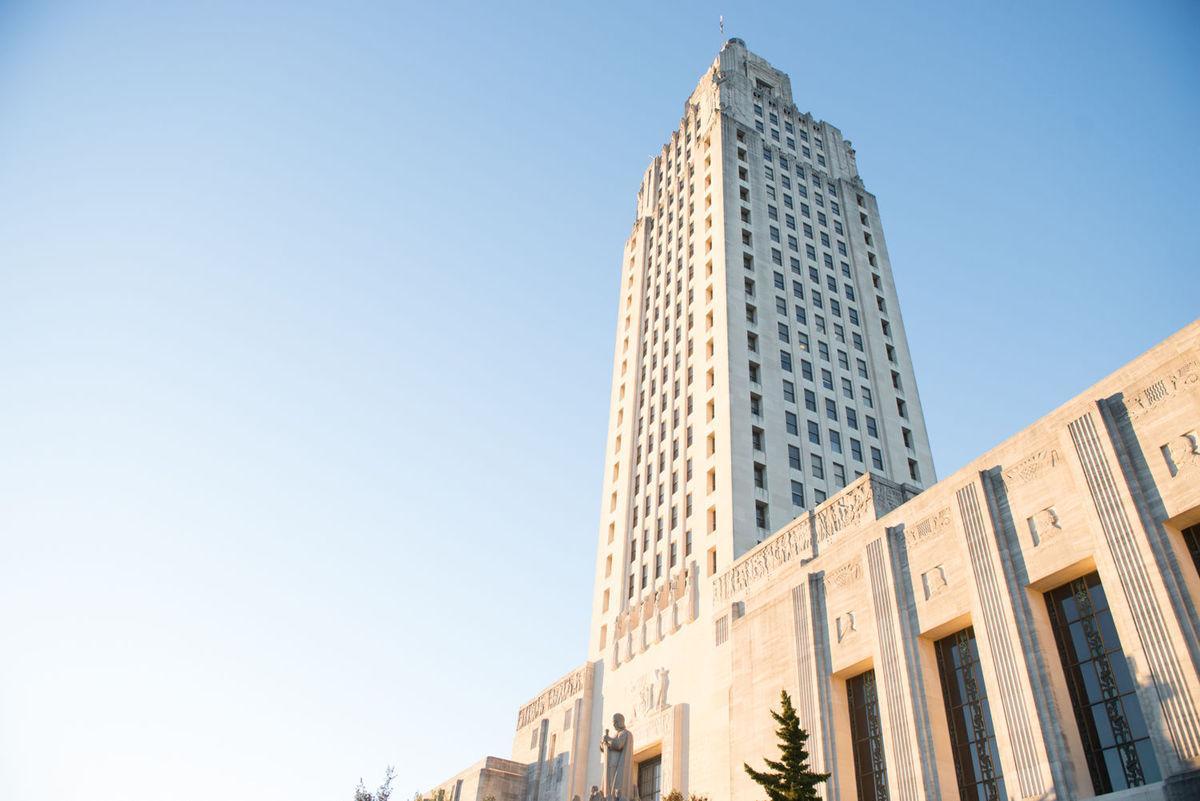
(566, 688)
(655, 617)
(928, 528)
(933, 581)
(792, 543)
(848, 510)
(1032, 467)
(845, 625)
(1043, 525)
(844, 575)
(1182, 453)
(1141, 402)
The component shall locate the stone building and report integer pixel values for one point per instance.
(1024, 628)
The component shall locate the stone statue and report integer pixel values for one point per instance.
(663, 680)
(618, 761)
(595, 794)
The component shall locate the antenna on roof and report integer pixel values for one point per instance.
(722, 24)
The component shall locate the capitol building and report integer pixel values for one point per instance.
(1024, 628)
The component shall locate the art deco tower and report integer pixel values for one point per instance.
(761, 362)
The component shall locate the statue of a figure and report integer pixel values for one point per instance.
(595, 795)
(618, 761)
(660, 702)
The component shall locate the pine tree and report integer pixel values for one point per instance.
(789, 779)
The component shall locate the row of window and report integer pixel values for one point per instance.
(1112, 727)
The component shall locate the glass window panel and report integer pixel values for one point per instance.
(1111, 724)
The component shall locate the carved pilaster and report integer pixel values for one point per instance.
(1157, 634)
(1035, 776)
(896, 683)
(813, 702)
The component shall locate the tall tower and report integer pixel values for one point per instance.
(761, 362)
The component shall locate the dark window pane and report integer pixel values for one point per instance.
(1115, 736)
(870, 770)
(971, 734)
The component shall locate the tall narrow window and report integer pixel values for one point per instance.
(1115, 738)
(972, 736)
(1191, 536)
(866, 735)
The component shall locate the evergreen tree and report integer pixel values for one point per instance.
(789, 779)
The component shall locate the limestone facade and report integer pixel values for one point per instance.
(1025, 628)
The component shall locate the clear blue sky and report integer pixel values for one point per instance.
(306, 318)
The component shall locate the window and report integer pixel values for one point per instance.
(790, 419)
(785, 361)
(818, 468)
(876, 457)
(856, 450)
(972, 736)
(794, 457)
(797, 494)
(831, 410)
(814, 433)
(872, 429)
(810, 400)
(1115, 738)
(1191, 538)
(866, 738)
(789, 392)
(649, 779)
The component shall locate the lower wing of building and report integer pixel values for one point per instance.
(1025, 628)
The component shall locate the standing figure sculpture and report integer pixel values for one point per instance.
(618, 762)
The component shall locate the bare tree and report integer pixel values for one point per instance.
(361, 793)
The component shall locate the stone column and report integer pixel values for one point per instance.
(813, 703)
(902, 697)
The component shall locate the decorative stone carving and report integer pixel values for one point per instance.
(1182, 453)
(791, 543)
(1140, 402)
(933, 581)
(869, 498)
(656, 616)
(1032, 467)
(928, 528)
(565, 689)
(844, 575)
(1044, 524)
(847, 510)
(650, 693)
(845, 625)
